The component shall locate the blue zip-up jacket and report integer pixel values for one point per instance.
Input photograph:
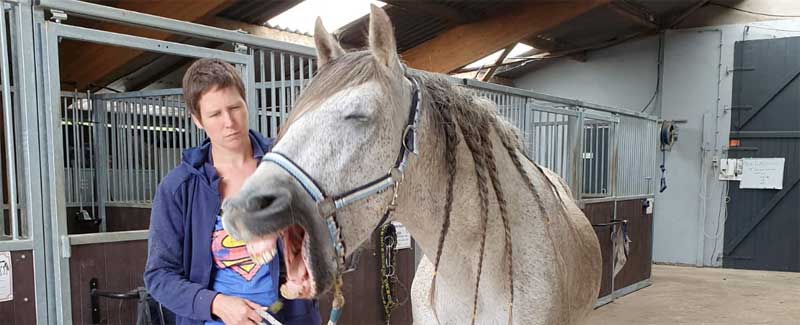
(179, 261)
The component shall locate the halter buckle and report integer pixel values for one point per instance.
(326, 207)
(410, 128)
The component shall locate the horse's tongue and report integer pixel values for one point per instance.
(298, 284)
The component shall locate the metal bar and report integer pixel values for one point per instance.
(16, 245)
(77, 126)
(174, 135)
(137, 94)
(33, 138)
(76, 194)
(765, 134)
(149, 141)
(59, 266)
(137, 137)
(9, 125)
(263, 91)
(302, 74)
(118, 148)
(91, 131)
(112, 237)
(291, 81)
(553, 99)
(311, 68)
(249, 79)
(283, 90)
(101, 159)
(158, 153)
(130, 180)
(85, 9)
(273, 119)
(164, 47)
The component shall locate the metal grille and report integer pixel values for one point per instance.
(13, 224)
(637, 141)
(596, 160)
(596, 149)
(119, 146)
(280, 77)
(544, 129)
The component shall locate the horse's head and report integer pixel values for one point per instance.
(344, 131)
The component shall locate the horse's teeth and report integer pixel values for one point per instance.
(288, 294)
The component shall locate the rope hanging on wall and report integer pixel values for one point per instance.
(667, 137)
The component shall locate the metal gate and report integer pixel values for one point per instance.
(762, 230)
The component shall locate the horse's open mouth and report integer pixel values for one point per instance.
(299, 281)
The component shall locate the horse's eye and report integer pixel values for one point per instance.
(356, 117)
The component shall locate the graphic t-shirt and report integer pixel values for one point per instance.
(235, 274)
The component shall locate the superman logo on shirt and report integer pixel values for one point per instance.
(232, 254)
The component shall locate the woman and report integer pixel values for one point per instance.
(194, 268)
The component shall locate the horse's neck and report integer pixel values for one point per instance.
(423, 195)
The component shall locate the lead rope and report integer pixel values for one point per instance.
(387, 241)
(338, 295)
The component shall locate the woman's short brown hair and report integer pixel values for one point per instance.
(206, 74)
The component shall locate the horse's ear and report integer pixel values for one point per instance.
(381, 38)
(328, 48)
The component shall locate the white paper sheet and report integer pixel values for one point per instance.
(6, 287)
(403, 237)
(762, 173)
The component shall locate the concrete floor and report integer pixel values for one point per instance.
(688, 295)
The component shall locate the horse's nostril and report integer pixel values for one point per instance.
(260, 202)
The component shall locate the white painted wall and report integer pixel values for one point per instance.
(696, 87)
(621, 76)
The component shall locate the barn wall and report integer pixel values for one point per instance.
(696, 87)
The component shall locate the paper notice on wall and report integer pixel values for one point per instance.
(403, 237)
(762, 173)
(6, 288)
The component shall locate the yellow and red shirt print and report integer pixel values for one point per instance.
(232, 254)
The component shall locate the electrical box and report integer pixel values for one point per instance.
(730, 169)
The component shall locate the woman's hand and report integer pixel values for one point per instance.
(235, 310)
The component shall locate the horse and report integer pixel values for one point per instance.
(370, 140)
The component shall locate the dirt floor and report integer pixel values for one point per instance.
(688, 295)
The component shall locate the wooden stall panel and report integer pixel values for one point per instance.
(21, 310)
(117, 267)
(640, 256)
(599, 213)
(362, 290)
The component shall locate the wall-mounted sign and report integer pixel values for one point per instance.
(762, 173)
(403, 237)
(6, 286)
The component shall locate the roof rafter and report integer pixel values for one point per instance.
(468, 43)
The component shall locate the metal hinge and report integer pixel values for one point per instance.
(240, 48)
(740, 69)
(738, 108)
(66, 251)
(58, 16)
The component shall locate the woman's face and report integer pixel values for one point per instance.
(223, 116)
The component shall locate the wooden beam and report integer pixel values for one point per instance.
(260, 31)
(468, 43)
(489, 74)
(84, 63)
(682, 16)
(635, 13)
